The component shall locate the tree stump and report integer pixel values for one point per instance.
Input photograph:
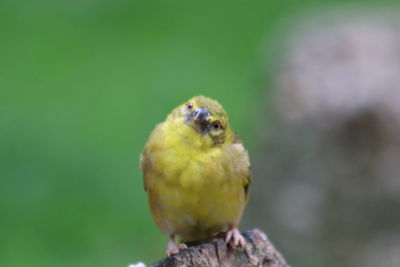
(258, 251)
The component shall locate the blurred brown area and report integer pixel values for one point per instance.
(327, 175)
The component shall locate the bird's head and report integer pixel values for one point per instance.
(206, 117)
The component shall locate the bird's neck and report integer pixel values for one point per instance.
(183, 135)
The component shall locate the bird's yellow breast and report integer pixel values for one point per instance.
(194, 189)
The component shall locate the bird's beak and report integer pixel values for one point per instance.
(200, 119)
(201, 114)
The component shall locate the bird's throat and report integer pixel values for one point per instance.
(186, 135)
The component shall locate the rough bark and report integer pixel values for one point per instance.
(258, 251)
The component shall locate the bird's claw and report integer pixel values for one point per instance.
(173, 249)
(235, 238)
(182, 246)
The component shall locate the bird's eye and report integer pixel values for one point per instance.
(189, 106)
(216, 126)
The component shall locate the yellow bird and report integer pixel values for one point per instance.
(197, 175)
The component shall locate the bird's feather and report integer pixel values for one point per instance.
(197, 183)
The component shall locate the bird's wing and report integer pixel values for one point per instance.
(145, 157)
(241, 162)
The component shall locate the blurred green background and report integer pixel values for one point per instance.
(83, 83)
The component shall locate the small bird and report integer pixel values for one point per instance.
(196, 172)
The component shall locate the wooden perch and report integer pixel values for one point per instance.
(258, 252)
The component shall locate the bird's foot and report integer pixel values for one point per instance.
(173, 249)
(235, 238)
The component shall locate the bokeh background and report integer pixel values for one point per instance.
(311, 86)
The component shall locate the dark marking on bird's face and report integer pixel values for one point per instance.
(207, 117)
(199, 119)
(206, 124)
